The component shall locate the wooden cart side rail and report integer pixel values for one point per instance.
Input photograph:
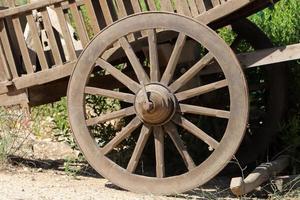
(248, 60)
(28, 7)
(222, 11)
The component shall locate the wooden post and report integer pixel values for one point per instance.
(260, 175)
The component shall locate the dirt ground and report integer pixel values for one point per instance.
(26, 183)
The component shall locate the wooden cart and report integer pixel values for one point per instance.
(161, 68)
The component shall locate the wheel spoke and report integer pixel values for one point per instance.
(192, 72)
(153, 55)
(199, 110)
(136, 65)
(129, 98)
(124, 133)
(139, 147)
(159, 151)
(171, 129)
(189, 126)
(110, 116)
(128, 82)
(201, 90)
(169, 72)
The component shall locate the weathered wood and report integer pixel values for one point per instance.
(201, 6)
(92, 16)
(53, 43)
(183, 7)
(46, 76)
(13, 98)
(166, 5)
(22, 44)
(261, 174)
(28, 7)
(270, 56)
(36, 41)
(66, 33)
(8, 53)
(80, 27)
(193, 8)
(106, 12)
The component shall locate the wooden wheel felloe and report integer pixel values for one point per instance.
(158, 105)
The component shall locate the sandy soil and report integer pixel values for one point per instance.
(53, 185)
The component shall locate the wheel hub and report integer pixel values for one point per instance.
(155, 104)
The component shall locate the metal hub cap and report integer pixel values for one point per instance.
(155, 104)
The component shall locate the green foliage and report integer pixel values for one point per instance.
(280, 22)
(53, 119)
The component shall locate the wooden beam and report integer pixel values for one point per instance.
(46, 76)
(28, 7)
(270, 56)
(260, 175)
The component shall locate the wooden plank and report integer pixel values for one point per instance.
(201, 6)
(13, 98)
(92, 16)
(222, 11)
(22, 44)
(53, 44)
(122, 12)
(65, 32)
(183, 7)
(8, 53)
(193, 8)
(166, 5)
(151, 5)
(106, 12)
(80, 27)
(28, 7)
(136, 6)
(5, 74)
(215, 3)
(36, 41)
(46, 76)
(240, 186)
(270, 56)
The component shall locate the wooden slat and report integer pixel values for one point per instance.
(5, 74)
(80, 27)
(22, 44)
(201, 6)
(65, 32)
(166, 5)
(151, 5)
(51, 37)
(122, 12)
(193, 7)
(136, 6)
(106, 12)
(8, 53)
(92, 16)
(36, 41)
(183, 7)
(215, 3)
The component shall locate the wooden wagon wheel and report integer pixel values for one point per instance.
(157, 104)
